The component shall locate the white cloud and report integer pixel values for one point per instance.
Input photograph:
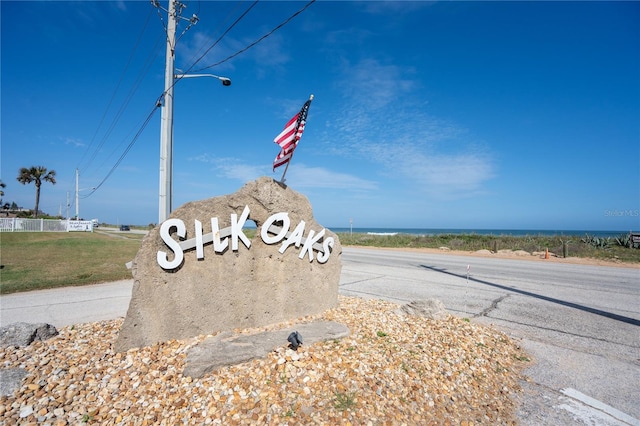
(73, 141)
(445, 175)
(319, 177)
(268, 54)
(348, 37)
(232, 168)
(286, 108)
(200, 48)
(374, 83)
(393, 7)
(383, 122)
(299, 174)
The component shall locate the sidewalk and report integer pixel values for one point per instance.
(68, 305)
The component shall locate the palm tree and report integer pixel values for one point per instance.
(36, 174)
(2, 187)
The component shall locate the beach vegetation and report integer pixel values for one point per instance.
(625, 240)
(344, 400)
(601, 248)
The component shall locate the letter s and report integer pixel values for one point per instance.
(165, 230)
(326, 244)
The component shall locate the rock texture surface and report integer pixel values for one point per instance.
(392, 370)
(23, 334)
(247, 287)
(11, 380)
(429, 308)
(230, 349)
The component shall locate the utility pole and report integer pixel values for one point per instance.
(77, 191)
(166, 122)
(77, 196)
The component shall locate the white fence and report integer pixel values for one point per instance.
(17, 224)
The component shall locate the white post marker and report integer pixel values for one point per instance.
(466, 290)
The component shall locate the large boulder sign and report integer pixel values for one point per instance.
(198, 272)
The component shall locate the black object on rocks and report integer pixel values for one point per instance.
(295, 340)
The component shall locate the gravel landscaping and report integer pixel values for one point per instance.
(393, 369)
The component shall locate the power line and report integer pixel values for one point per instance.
(143, 73)
(282, 24)
(137, 83)
(222, 36)
(210, 47)
(222, 24)
(158, 102)
(113, 95)
(126, 151)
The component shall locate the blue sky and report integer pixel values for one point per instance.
(492, 115)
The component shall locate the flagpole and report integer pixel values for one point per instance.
(285, 169)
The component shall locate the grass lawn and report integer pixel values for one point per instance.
(37, 260)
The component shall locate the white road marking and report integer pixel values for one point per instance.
(593, 411)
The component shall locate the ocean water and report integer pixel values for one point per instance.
(496, 232)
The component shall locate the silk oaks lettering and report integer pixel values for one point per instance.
(276, 229)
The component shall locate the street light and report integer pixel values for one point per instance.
(166, 136)
(225, 80)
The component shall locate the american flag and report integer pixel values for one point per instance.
(288, 139)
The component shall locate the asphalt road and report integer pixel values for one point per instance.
(579, 323)
(68, 305)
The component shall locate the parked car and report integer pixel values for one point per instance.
(125, 228)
